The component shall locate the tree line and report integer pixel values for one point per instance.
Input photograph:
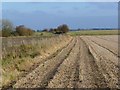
(9, 30)
(59, 30)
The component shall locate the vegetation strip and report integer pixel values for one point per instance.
(36, 65)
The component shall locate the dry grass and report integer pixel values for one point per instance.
(18, 59)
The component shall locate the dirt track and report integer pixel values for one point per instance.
(87, 62)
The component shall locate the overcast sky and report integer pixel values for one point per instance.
(40, 15)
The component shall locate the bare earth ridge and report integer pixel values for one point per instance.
(86, 62)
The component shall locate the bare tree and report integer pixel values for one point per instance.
(7, 28)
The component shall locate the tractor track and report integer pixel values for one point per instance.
(65, 78)
(106, 61)
(107, 49)
(91, 76)
(42, 74)
(109, 40)
(111, 49)
(82, 63)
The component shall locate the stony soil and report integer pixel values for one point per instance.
(86, 62)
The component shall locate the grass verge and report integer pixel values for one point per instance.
(20, 59)
(94, 32)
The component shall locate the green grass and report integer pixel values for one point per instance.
(94, 32)
(44, 34)
(38, 34)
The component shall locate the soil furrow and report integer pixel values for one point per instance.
(41, 75)
(108, 39)
(116, 54)
(55, 70)
(107, 68)
(76, 75)
(103, 52)
(107, 63)
(90, 76)
(73, 83)
(83, 63)
(112, 47)
(113, 59)
(63, 77)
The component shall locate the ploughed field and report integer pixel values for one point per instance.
(85, 62)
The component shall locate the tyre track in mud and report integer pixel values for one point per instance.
(115, 57)
(42, 74)
(79, 72)
(67, 74)
(90, 76)
(79, 65)
(107, 68)
(114, 51)
(107, 39)
(106, 61)
(76, 73)
(107, 49)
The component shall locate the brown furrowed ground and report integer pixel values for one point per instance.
(86, 62)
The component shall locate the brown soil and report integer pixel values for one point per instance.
(86, 62)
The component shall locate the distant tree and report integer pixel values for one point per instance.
(23, 31)
(0, 33)
(29, 32)
(7, 28)
(63, 28)
(34, 30)
(45, 30)
(57, 31)
(51, 30)
(38, 30)
(0, 24)
(79, 29)
(14, 33)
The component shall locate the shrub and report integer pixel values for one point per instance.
(7, 28)
(23, 31)
(63, 28)
(45, 30)
(60, 29)
(6, 33)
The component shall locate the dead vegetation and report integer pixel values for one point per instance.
(20, 55)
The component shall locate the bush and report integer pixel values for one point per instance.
(45, 30)
(63, 28)
(6, 33)
(23, 31)
(60, 29)
(7, 28)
